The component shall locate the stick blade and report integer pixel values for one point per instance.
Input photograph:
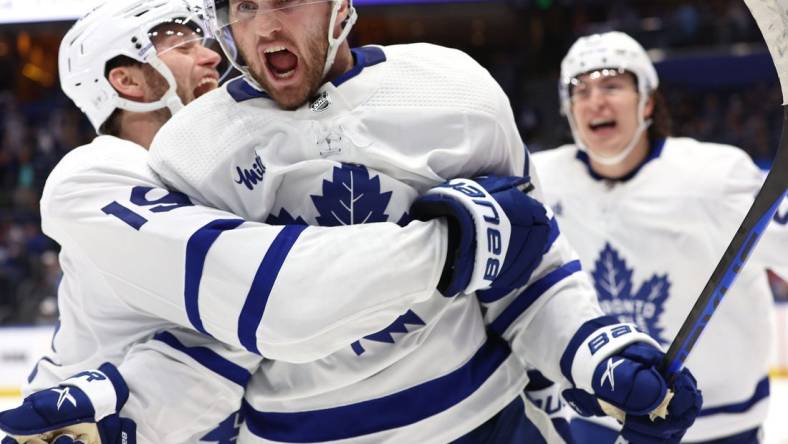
(772, 19)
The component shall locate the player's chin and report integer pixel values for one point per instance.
(290, 98)
(205, 86)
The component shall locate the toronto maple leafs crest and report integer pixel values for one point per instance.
(644, 307)
(352, 196)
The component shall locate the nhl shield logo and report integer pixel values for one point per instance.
(320, 103)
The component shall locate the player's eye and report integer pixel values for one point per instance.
(245, 8)
(580, 92)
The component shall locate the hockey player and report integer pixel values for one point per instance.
(316, 133)
(144, 60)
(435, 374)
(650, 216)
(129, 65)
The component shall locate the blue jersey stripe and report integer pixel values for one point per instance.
(254, 307)
(364, 57)
(208, 359)
(761, 393)
(196, 250)
(240, 90)
(34, 373)
(525, 299)
(388, 412)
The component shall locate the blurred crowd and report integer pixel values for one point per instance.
(33, 137)
(38, 125)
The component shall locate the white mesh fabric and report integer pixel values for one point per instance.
(423, 75)
(207, 120)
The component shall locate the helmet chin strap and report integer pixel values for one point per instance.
(169, 100)
(334, 43)
(619, 157)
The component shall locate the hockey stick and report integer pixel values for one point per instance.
(772, 19)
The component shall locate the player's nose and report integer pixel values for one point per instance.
(267, 23)
(209, 57)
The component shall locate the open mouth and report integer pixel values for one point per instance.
(281, 63)
(601, 125)
(206, 84)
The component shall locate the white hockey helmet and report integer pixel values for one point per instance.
(122, 28)
(220, 19)
(610, 52)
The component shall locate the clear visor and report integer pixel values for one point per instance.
(187, 35)
(609, 81)
(229, 12)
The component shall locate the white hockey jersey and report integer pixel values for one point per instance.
(404, 119)
(651, 242)
(139, 259)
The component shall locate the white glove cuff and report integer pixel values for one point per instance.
(98, 387)
(492, 227)
(601, 344)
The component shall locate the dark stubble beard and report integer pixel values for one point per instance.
(313, 79)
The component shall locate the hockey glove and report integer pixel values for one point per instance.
(497, 233)
(627, 378)
(83, 408)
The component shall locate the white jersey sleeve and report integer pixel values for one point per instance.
(185, 387)
(244, 283)
(740, 181)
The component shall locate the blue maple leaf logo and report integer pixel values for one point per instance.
(613, 283)
(351, 198)
(227, 431)
(385, 335)
(285, 218)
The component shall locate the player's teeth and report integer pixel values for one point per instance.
(284, 75)
(275, 49)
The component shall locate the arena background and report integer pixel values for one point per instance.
(720, 82)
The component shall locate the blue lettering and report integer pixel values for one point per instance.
(91, 376)
(169, 202)
(491, 269)
(494, 218)
(494, 241)
(621, 330)
(467, 189)
(250, 177)
(598, 342)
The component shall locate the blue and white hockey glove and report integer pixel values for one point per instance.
(619, 366)
(497, 233)
(83, 408)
